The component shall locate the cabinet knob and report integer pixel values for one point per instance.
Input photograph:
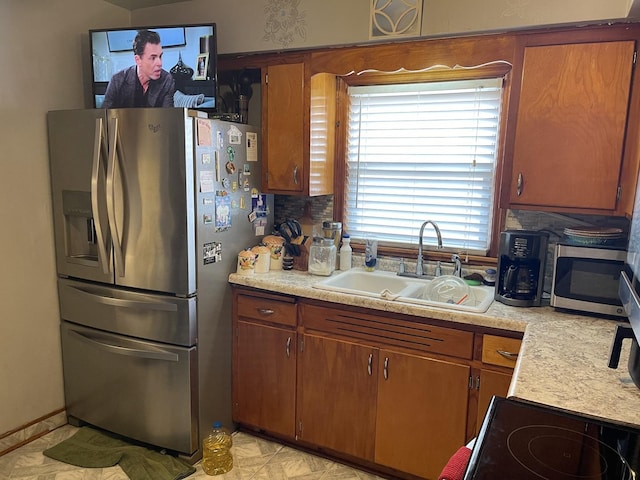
(288, 347)
(295, 175)
(385, 371)
(520, 184)
(370, 364)
(265, 311)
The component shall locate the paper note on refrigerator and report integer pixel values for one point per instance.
(204, 132)
(206, 181)
(252, 147)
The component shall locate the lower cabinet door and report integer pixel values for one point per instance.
(421, 413)
(140, 389)
(264, 386)
(337, 403)
(491, 383)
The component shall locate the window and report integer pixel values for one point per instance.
(418, 152)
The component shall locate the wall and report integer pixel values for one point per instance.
(44, 48)
(41, 45)
(248, 26)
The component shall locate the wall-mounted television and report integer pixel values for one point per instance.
(189, 57)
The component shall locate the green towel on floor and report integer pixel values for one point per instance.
(92, 449)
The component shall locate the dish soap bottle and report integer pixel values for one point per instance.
(370, 254)
(216, 451)
(345, 252)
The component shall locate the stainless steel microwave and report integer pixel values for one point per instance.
(586, 279)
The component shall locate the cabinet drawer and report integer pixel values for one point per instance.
(500, 351)
(267, 310)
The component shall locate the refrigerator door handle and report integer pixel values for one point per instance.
(101, 343)
(115, 149)
(121, 302)
(99, 152)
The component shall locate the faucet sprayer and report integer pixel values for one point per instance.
(419, 267)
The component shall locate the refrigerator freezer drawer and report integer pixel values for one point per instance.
(153, 317)
(142, 390)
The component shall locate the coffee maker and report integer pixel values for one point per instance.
(521, 262)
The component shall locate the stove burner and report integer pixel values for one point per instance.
(555, 453)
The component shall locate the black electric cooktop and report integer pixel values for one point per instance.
(520, 441)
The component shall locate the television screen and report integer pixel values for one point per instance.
(181, 70)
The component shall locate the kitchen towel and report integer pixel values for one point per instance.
(92, 449)
(457, 464)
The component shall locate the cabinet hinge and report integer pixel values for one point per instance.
(266, 78)
(300, 428)
(619, 193)
(478, 383)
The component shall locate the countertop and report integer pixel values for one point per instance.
(563, 358)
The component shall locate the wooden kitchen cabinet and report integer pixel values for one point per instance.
(264, 363)
(499, 356)
(571, 118)
(298, 125)
(360, 396)
(390, 391)
(337, 399)
(421, 412)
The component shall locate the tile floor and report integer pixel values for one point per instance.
(254, 459)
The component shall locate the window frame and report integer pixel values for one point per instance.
(436, 75)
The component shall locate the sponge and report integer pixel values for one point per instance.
(474, 279)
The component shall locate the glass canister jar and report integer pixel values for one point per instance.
(332, 230)
(322, 256)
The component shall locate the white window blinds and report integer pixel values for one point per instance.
(421, 152)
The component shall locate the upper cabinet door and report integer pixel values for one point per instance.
(570, 129)
(284, 136)
(298, 121)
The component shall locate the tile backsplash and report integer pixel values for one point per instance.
(289, 206)
(554, 224)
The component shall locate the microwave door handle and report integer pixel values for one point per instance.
(153, 354)
(99, 152)
(114, 156)
(622, 332)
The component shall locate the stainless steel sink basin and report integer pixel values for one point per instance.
(389, 286)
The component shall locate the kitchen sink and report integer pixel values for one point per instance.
(390, 286)
(373, 284)
(479, 300)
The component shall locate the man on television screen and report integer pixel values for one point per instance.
(144, 84)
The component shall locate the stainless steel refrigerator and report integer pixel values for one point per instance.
(151, 207)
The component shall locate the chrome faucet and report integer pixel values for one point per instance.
(419, 266)
(457, 269)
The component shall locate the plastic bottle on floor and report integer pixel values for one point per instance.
(216, 451)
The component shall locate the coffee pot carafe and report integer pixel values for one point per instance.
(521, 262)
